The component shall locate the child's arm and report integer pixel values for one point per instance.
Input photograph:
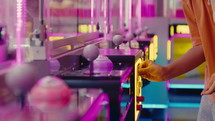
(154, 72)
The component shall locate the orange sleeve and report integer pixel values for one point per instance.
(191, 20)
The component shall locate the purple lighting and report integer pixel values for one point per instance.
(148, 8)
(130, 16)
(105, 19)
(92, 16)
(121, 3)
(98, 12)
(20, 28)
(96, 108)
(139, 13)
(167, 84)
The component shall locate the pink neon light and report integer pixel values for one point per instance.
(179, 13)
(70, 12)
(92, 15)
(130, 16)
(105, 18)
(148, 8)
(110, 19)
(98, 10)
(139, 13)
(121, 2)
(167, 84)
(20, 28)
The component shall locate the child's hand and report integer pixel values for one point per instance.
(209, 88)
(151, 71)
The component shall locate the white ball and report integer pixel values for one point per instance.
(21, 77)
(91, 52)
(129, 36)
(117, 39)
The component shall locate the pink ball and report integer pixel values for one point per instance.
(49, 94)
(91, 52)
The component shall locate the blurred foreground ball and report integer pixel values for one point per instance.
(50, 94)
(21, 77)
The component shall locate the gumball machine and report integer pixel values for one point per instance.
(49, 99)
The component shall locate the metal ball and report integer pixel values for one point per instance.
(117, 39)
(129, 36)
(91, 52)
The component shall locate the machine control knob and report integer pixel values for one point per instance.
(91, 52)
(140, 98)
(139, 107)
(129, 36)
(117, 40)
